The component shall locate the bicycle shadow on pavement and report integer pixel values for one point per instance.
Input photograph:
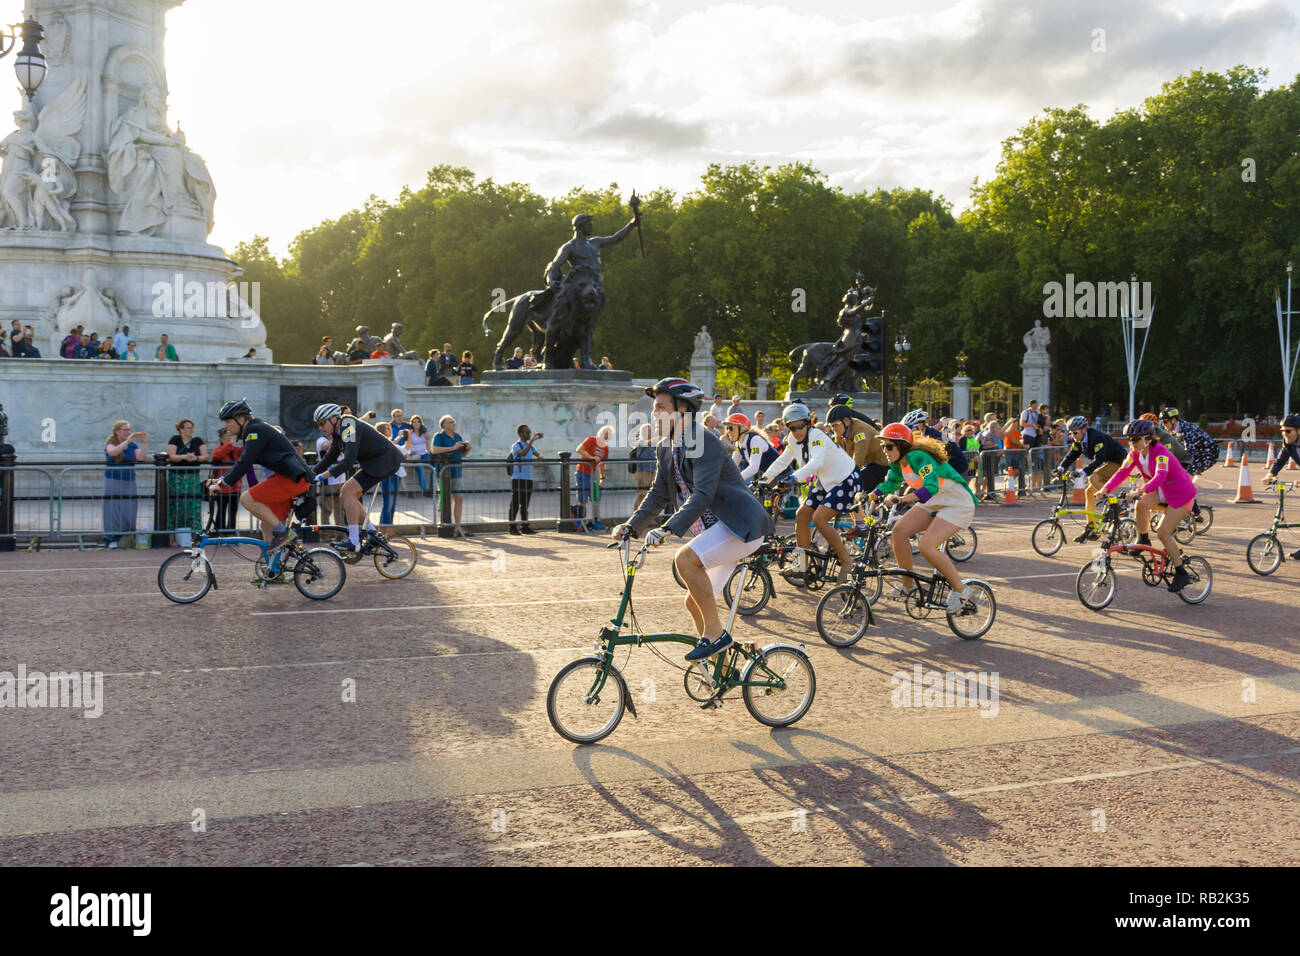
(725, 841)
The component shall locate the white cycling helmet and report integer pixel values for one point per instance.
(796, 412)
(917, 416)
(328, 410)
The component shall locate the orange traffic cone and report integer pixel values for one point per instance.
(1229, 463)
(1077, 496)
(1269, 464)
(1244, 496)
(1011, 486)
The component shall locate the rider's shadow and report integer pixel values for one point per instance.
(882, 823)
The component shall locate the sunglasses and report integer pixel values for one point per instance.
(888, 446)
(793, 425)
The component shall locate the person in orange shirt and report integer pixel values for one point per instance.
(1015, 448)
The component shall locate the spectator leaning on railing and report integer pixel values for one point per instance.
(130, 355)
(121, 340)
(122, 449)
(83, 349)
(325, 354)
(388, 487)
(165, 351)
(593, 451)
(185, 452)
(416, 446)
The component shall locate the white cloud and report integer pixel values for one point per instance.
(303, 109)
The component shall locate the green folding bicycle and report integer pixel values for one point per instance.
(588, 696)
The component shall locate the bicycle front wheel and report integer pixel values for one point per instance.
(319, 574)
(1264, 553)
(1095, 585)
(576, 715)
(184, 578)
(976, 615)
(754, 595)
(843, 615)
(396, 558)
(1048, 537)
(1202, 579)
(777, 706)
(962, 545)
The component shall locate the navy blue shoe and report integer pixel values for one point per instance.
(706, 649)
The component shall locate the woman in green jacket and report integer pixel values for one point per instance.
(919, 469)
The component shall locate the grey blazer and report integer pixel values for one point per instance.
(715, 485)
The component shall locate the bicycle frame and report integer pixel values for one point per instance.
(724, 665)
(200, 550)
(1278, 523)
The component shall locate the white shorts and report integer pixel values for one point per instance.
(952, 504)
(720, 551)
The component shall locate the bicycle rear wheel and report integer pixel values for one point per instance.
(962, 545)
(1202, 579)
(676, 576)
(843, 615)
(1264, 553)
(319, 574)
(396, 558)
(1095, 585)
(976, 615)
(1048, 537)
(756, 593)
(575, 715)
(1185, 533)
(184, 578)
(780, 707)
(1204, 520)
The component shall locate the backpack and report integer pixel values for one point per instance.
(1203, 448)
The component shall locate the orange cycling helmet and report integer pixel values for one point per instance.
(1149, 416)
(738, 419)
(897, 432)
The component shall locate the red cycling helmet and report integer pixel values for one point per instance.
(738, 419)
(897, 432)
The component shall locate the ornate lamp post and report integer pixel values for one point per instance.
(901, 347)
(962, 359)
(29, 65)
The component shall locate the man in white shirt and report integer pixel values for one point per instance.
(121, 341)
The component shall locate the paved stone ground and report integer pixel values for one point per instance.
(1152, 732)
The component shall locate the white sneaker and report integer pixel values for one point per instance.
(955, 599)
(112, 545)
(899, 593)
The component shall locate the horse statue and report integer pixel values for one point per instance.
(520, 315)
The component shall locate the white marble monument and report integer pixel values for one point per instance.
(704, 369)
(105, 210)
(1036, 367)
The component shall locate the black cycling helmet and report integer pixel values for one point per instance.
(680, 389)
(843, 399)
(1169, 414)
(1291, 421)
(839, 413)
(1140, 428)
(231, 409)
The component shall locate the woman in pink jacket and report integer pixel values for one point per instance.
(1166, 481)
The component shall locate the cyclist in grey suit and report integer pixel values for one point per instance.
(694, 473)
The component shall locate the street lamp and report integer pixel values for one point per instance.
(902, 346)
(1132, 318)
(29, 65)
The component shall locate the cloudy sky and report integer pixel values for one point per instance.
(303, 108)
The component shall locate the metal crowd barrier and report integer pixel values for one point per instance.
(1032, 469)
(156, 505)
